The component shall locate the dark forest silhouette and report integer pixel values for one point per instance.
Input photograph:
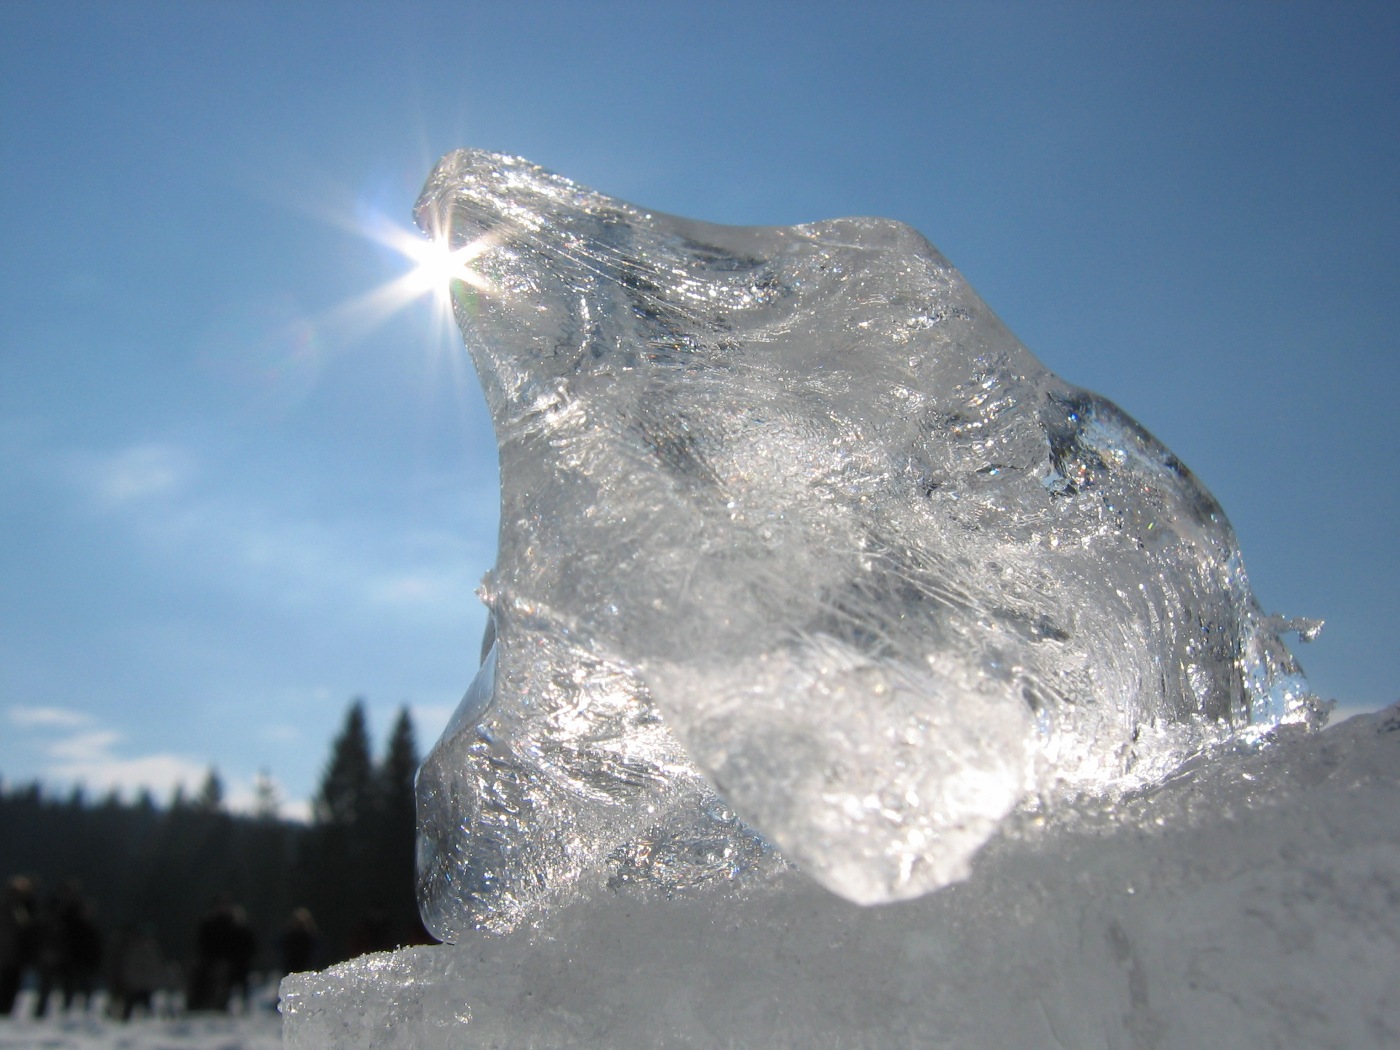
(220, 893)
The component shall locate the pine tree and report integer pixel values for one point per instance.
(346, 797)
(341, 850)
(211, 793)
(396, 884)
(397, 772)
(267, 800)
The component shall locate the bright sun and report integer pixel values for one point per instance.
(437, 266)
(433, 270)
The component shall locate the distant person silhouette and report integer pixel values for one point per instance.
(17, 938)
(82, 947)
(242, 946)
(69, 947)
(300, 942)
(211, 976)
(138, 970)
(372, 933)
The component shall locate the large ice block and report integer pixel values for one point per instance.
(800, 548)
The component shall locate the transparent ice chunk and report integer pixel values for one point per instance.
(791, 523)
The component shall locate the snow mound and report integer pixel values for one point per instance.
(1249, 900)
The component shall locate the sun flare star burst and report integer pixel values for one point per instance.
(435, 265)
(434, 269)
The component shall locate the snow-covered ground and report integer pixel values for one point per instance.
(1251, 900)
(258, 1029)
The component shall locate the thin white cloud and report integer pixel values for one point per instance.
(47, 718)
(239, 541)
(83, 748)
(160, 774)
(91, 755)
(137, 473)
(358, 568)
(429, 590)
(90, 758)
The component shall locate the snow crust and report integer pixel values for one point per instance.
(92, 1029)
(1250, 900)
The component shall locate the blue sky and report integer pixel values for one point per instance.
(234, 493)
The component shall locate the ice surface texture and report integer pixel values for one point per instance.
(790, 522)
(1249, 901)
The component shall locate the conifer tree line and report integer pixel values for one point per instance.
(166, 867)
